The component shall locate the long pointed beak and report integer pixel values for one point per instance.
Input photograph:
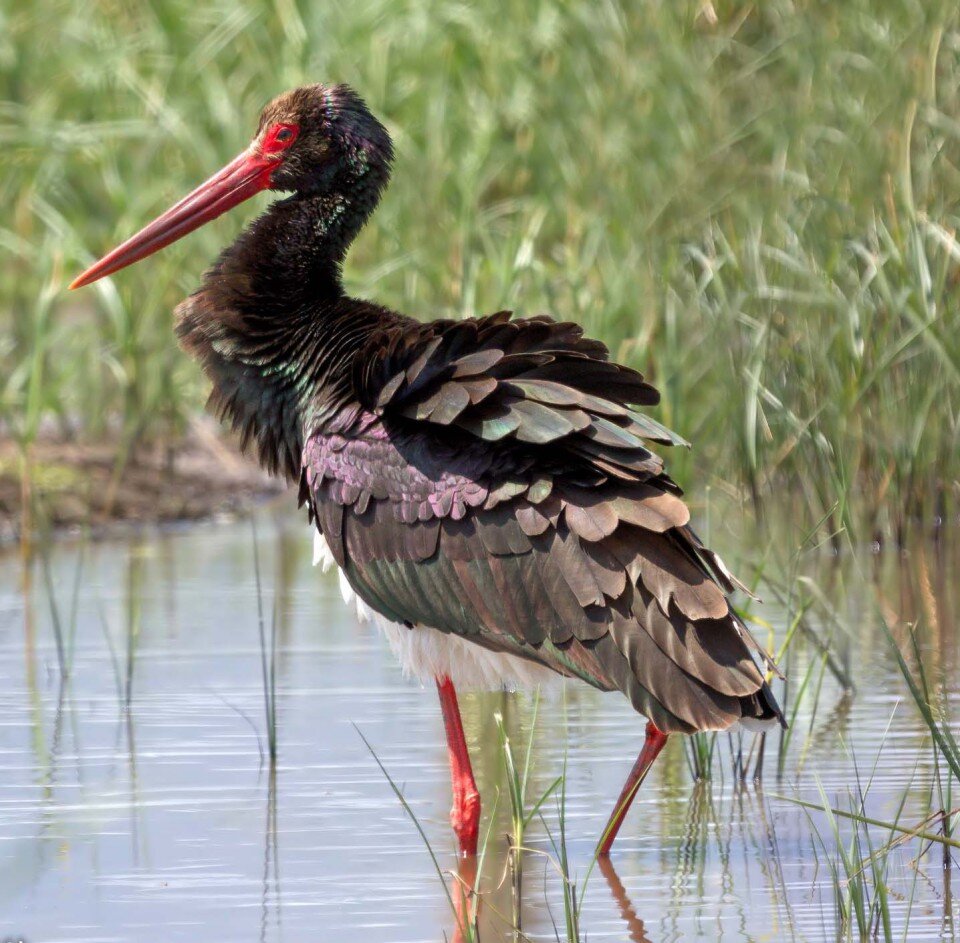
(245, 175)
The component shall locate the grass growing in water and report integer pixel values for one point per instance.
(520, 815)
(859, 858)
(268, 656)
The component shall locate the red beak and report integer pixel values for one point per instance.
(245, 175)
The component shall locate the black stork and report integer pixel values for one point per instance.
(484, 486)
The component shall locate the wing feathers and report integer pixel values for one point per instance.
(496, 484)
(534, 381)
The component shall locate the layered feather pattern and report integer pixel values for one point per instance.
(495, 483)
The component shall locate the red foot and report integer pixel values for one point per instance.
(652, 746)
(465, 813)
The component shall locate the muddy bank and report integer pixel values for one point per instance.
(74, 485)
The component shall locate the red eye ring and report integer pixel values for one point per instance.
(279, 138)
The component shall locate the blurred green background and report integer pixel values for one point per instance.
(756, 204)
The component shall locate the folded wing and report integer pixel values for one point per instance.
(496, 484)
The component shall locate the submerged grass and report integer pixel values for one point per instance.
(755, 204)
(268, 656)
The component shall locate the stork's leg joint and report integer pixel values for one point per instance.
(465, 819)
(465, 811)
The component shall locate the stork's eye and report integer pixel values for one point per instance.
(280, 137)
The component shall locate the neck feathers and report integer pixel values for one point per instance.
(272, 327)
(295, 250)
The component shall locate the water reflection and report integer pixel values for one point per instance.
(138, 792)
(476, 916)
(634, 925)
(271, 903)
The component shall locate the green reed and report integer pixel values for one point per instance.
(520, 815)
(757, 208)
(858, 848)
(934, 708)
(860, 865)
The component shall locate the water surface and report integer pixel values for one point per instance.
(137, 801)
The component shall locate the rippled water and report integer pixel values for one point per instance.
(135, 802)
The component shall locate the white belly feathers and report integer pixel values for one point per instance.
(427, 653)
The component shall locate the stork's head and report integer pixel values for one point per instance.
(311, 140)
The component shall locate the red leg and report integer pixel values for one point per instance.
(465, 813)
(651, 750)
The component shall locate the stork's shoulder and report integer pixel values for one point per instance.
(534, 381)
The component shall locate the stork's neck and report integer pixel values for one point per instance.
(272, 327)
(297, 247)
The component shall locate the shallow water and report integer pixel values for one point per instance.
(136, 803)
